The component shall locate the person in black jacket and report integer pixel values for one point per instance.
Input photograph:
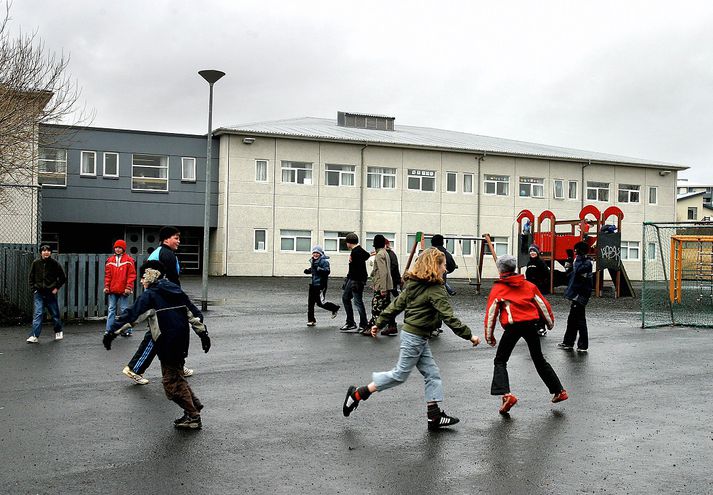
(169, 312)
(437, 242)
(578, 291)
(46, 278)
(538, 273)
(354, 285)
(392, 329)
(319, 270)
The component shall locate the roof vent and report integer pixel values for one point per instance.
(365, 121)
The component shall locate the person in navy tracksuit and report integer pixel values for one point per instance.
(169, 313)
(170, 239)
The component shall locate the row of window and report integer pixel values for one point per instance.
(425, 180)
(300, 241)
(148, 172)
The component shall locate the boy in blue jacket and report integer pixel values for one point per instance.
(579, 289)
(319, 269)
(169, 312)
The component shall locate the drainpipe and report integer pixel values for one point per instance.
(480, 158)
(584, 189)
(361, 193)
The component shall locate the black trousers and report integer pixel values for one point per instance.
(577, 323)
(316, 296)
(144, 355)
(513, 333)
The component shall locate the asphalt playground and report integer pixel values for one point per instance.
(638, 419)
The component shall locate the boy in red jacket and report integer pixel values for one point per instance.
(119, 278)
(521, 308)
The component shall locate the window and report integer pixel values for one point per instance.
(339, 175)
(260, 170)
(149, 173)
(692, 213)
(468, 183)
(260, 240)
(296, 240)
(421, 180)
(653, 195)
(451, 180)
(532, 187)
(499, 243)
(630, 250)
(381, 178)
(52, 169)
(188, 169)
(497, 184)
(466, 247)
(629, 193)
(597, 191)
(88, 163)
(651, 251)
(111, 164)
(390, 236)
(336, 242)
(297, 172)
(558, 189)
(572, 189)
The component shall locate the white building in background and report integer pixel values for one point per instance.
(289, 184)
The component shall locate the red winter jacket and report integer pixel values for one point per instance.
(119, 274)
(516, 300)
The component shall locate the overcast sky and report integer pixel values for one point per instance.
(633, 78)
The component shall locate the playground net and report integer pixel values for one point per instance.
(677, 274)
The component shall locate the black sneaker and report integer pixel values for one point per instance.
(350, 403)
(334, 313)
(348, 327)
(441, 420)
(186, 422)
(564, 346)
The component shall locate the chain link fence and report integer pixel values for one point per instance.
(677, 287)
(20, 235)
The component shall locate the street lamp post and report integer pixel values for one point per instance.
(211, 76)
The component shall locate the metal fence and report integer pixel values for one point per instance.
(677, 288)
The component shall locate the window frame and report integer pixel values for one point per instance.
(382, 174)
(255, 241)
(340, 238)
(156, 180)
(390, 236)
(554, 189)
(495, 180)
(267, 170)
(56, 173)
(295, 238)
(341, 174)
(651, 251)
(694, 210)
(628, 248)
(576, 190)
(472, 183)
(530, 183)
(195, 169)
(416, 174)
(455, 182)
(104, 173)
(629, 189)
(284, 168)
(82, 173)
(655, 190)
(497, 241)
(598, 189)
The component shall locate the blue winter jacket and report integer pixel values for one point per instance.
(579, 288)
(169, 313)
(320, 271)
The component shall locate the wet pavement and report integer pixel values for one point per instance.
(638, 419)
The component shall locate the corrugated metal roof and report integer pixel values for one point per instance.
(689, 195)
(425, 137)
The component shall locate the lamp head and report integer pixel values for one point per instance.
(211, 76)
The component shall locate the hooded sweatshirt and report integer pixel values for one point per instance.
(515, 300)
(320, 268)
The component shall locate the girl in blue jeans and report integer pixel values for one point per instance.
(426, 306)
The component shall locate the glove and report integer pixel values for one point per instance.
(205, 341)
(108, 337)
(308, 271)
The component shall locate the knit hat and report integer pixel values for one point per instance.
(352, 238)
(437, 240)
(506, 263)
(121, 243)
(152, 270)
(535, 248)
(318, 249)
(167, 232)
(379, 241)
(581, 248)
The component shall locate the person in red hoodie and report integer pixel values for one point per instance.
(119, 278)
(521, 308)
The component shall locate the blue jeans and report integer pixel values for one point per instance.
(414, 351)
(354, 289)
(116, 299)
(45, 301)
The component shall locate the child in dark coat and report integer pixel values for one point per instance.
(319, 270)
(578, 291)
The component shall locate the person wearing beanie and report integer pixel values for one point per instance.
(437, 242)
(46, 278)
(520, 306)
(169, 239)
(319, 270)
(354, 285)
(170, 313)
(427, 307)
(381, 278)
(119, 278)
(579, 290)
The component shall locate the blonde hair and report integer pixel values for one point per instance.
(427, 267)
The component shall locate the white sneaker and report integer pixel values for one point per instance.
(33, 340)
(59, 336)
(140, 380)
(187, 372)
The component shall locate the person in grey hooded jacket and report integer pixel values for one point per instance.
(319, 269)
